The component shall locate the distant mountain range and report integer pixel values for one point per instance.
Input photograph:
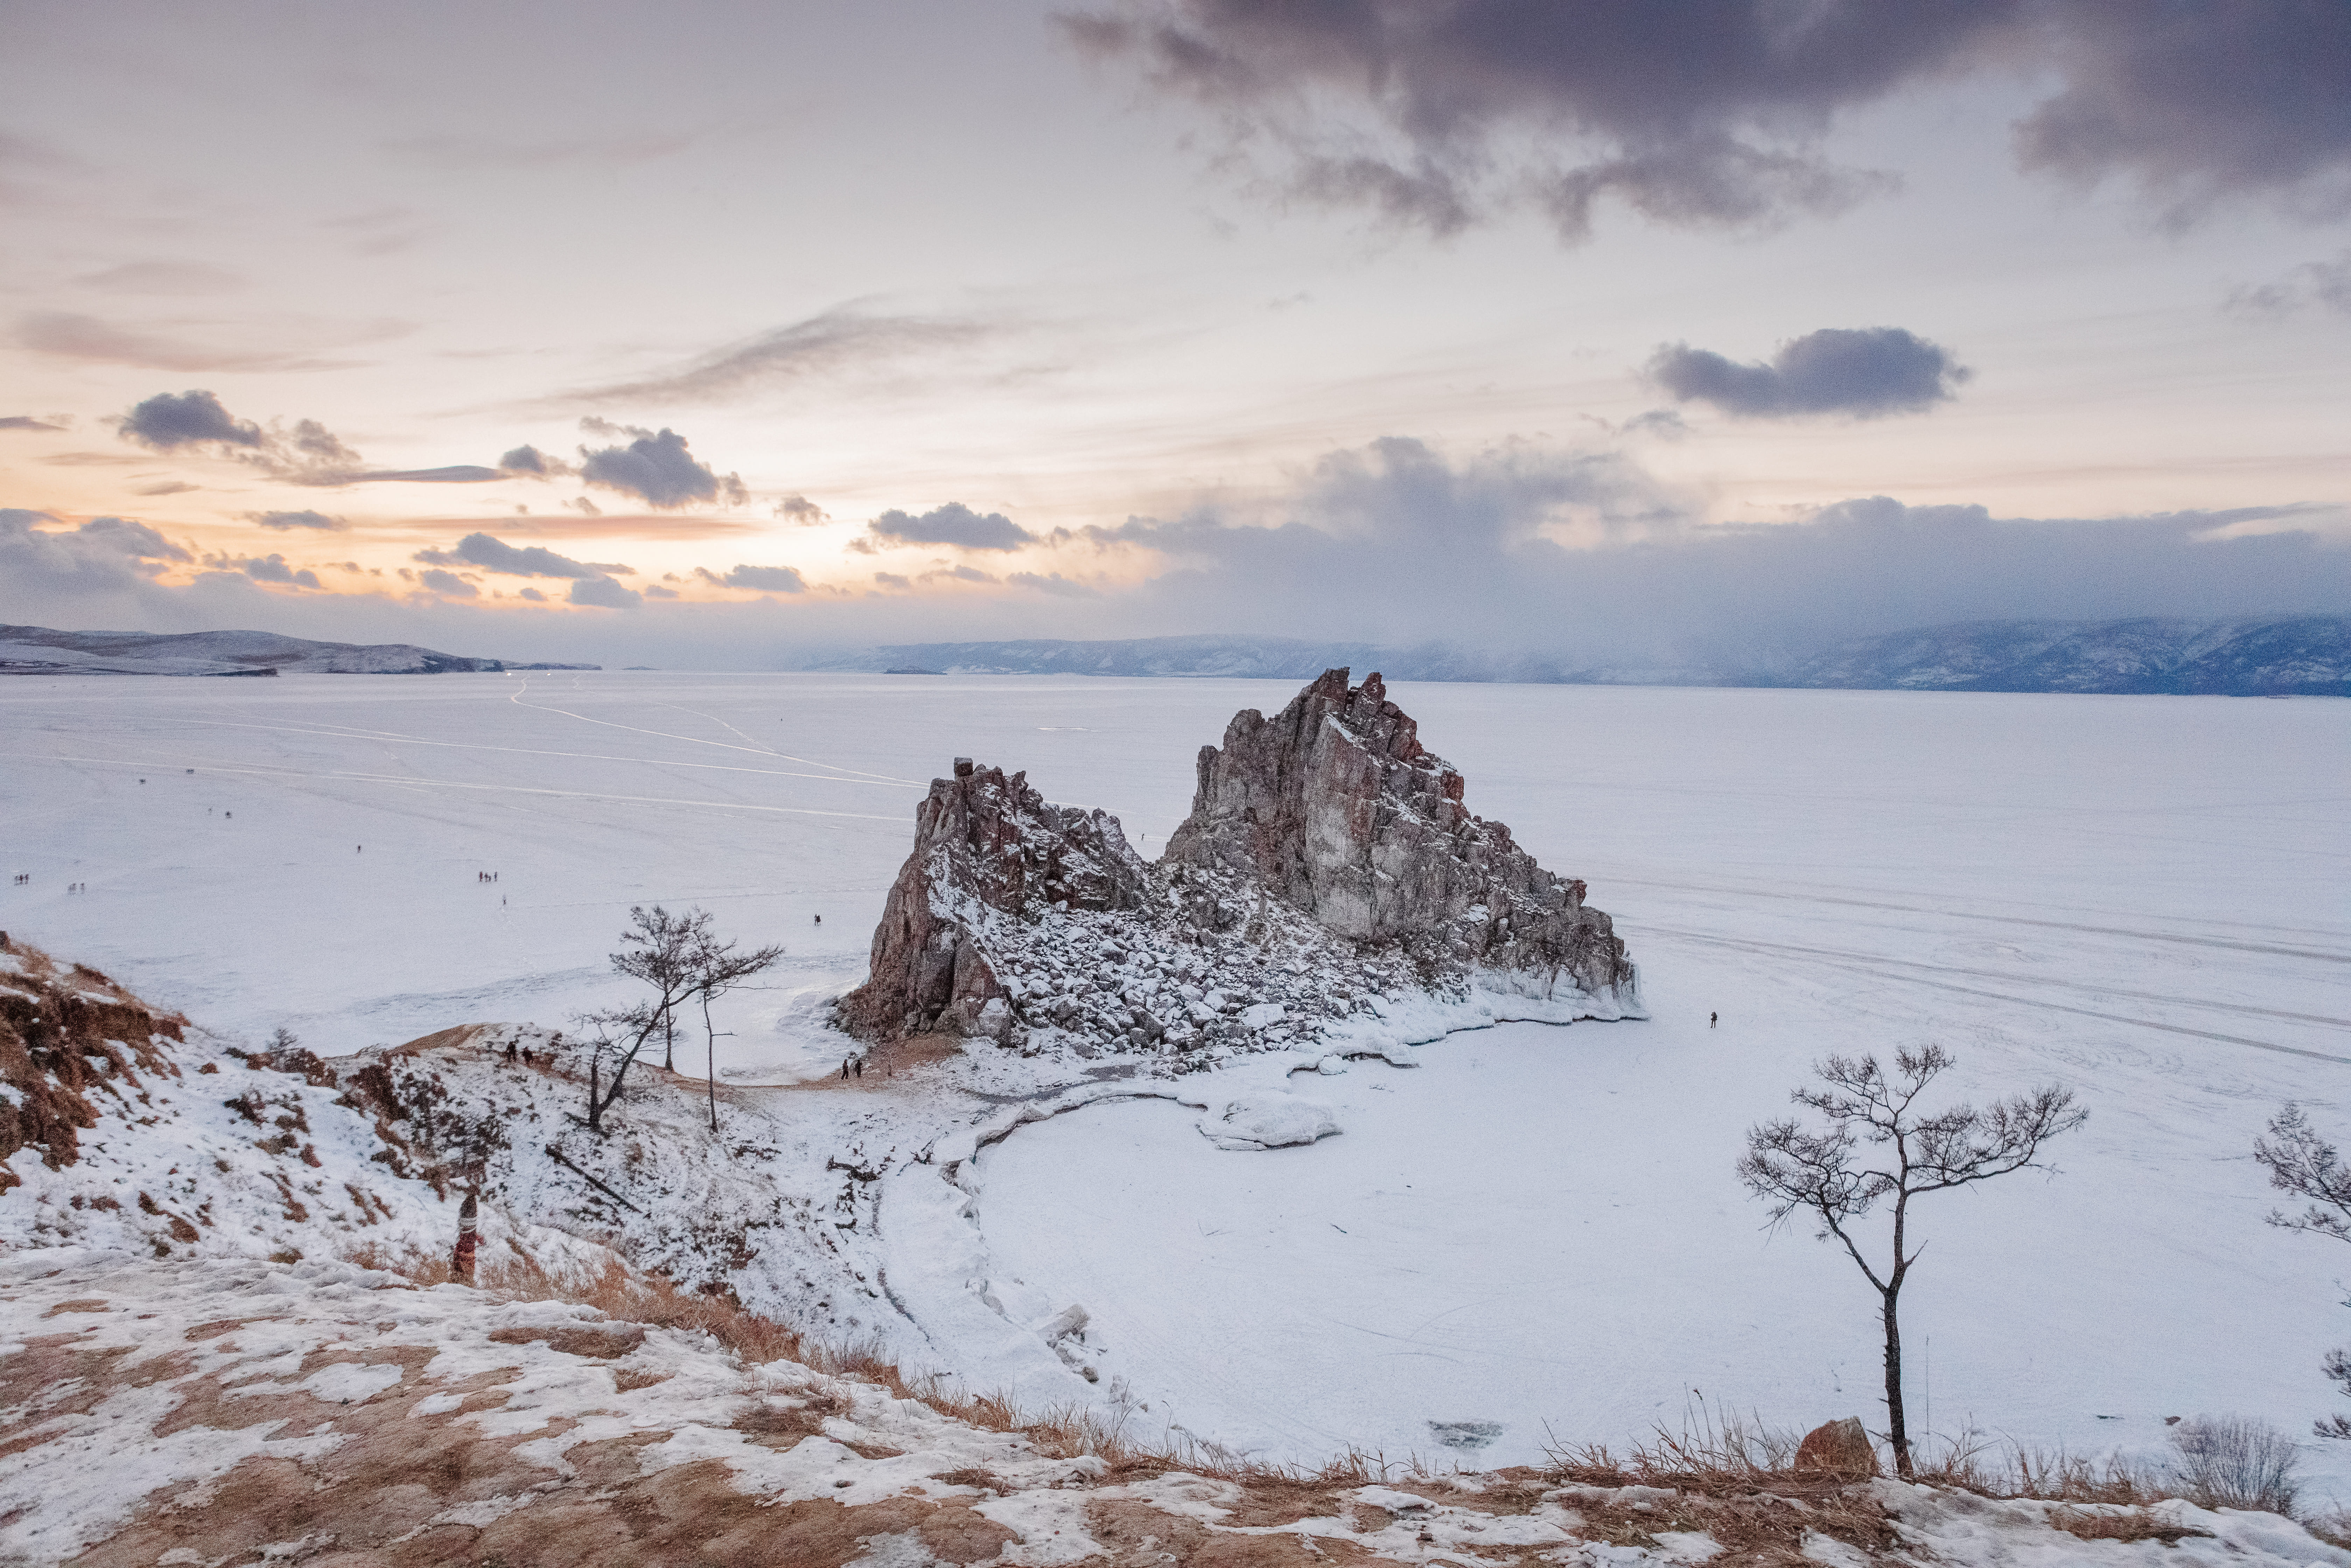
(2299, 656)
(38, 651)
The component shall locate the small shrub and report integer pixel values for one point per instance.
(2229, 1461)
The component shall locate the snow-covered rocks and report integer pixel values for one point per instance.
(1328, 886)
(1269, 1122)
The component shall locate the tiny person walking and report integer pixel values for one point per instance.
(1711, 1019)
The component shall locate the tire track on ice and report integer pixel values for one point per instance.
(1865, 969)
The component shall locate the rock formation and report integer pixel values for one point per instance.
(1328, 876)
(1336, 806)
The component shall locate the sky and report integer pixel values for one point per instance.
(713, 335)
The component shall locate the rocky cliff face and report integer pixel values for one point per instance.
(1328, 877)
(990, 856)
(1335, 806)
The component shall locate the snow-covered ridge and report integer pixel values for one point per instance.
(41, 651)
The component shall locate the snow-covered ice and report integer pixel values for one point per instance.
(1538, 1230)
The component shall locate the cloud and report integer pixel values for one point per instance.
(655, 591)
(959, 574)
(952, 524)
(448, 584)
(840, 339)
(27, 422)
(497, 556)
(69, 335)
(2320, 283)
(271, 567)
(765, 579)
(1583, 557)
(2195, 103)
(892, 582)
(1864, 372)
(287, 520)
(176, 278)
(1053, 583)
(604, 593)
(799, 509)
(656, 468)
(531, 460)
(167, 423)
(134, 539)
(1440, 114)
(105, 556)
(533, 595)
(455, 474)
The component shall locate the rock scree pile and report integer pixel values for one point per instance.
(1329, 873)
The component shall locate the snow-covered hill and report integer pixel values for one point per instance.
(210, 1380)
(40, 651)
(2299, 656)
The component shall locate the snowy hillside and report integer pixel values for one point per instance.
(171, 1395)
(39, 650)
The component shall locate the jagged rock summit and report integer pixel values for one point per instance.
(1329, 887)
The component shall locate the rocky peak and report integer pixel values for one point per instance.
(1337, 809)
(989, 850)
(1328, 864)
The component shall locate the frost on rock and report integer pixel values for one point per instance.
(1270, 1122)
(1329, 888)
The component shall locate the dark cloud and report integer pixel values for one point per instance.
(1440, 113)
(533, 595)
(604, 593)
(840, 339)
(952, 524)
(799, 509)
(27, 422)
(2195, 103)
(956, 574)
(1864, 372)
(655, 591)
(765, 579)
(531, 460)
(164, 487)
(893, 581)
(39, 567)
(271, 567)
(169, 421)
(656, 468)
(448, 584)
(287, 520)
(495, 555)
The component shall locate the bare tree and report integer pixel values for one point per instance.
(1824, 1173)
(714, 968)
(658, 948)
(618, 1034)
(2303, 1162)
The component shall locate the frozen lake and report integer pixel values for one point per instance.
(2143, 898)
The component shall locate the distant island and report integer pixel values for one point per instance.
(2307, 655)
(40, 651)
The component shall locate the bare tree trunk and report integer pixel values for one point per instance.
(669, 1043)
(1898, 1429)
(710, 1062)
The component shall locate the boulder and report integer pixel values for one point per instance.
(1838, 1448)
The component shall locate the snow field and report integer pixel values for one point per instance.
(2139, 897)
